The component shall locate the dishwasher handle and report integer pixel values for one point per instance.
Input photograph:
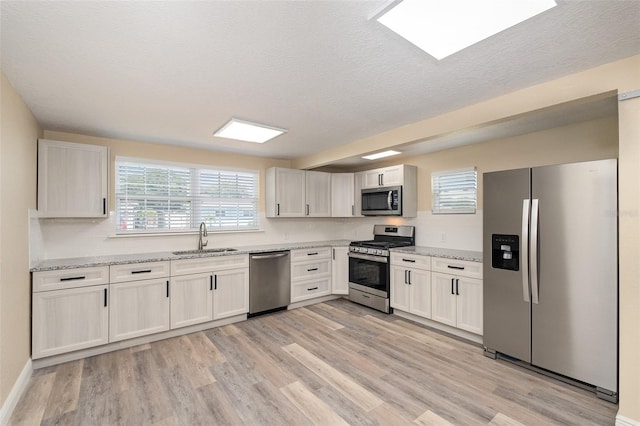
(268, 256)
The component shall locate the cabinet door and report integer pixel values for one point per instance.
(443, 298)
(318, 194)
(138, 308)
(290, 193)
(191, 299)
(392, 176)
(469, 310)
(340, 271)
(358, 185)
(400, 288)
(72, 179)
(420, 292)
(68, 320)
(342, 195)
(230, 293)
(372, 178)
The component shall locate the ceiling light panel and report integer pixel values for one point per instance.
(442, 28)
(381, 155)
(248, 131)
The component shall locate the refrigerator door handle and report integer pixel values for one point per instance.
(525, 250)
(534, 251)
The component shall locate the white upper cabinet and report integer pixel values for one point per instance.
(318, 194)
(285, 192)
(342, 195)
(73, 179)
(386, 176)
(298, 193)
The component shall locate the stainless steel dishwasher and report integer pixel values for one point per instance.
(269, 282)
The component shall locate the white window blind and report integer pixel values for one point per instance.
(455, 191)
(156, 197)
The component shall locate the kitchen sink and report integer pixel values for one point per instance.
(204, 251)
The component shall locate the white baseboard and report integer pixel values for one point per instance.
(16, 393)
(625, 421)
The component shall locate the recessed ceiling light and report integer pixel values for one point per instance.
(381, 155)
(247, 131)
(442, 28)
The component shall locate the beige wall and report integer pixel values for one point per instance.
(589, 140)
(129, 148)
(19, 132)
(629, 223)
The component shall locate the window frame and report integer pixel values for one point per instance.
(438, 206)
(194, 197)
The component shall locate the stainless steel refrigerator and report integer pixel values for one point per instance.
(551, 271)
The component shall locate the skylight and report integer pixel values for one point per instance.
(247, 131)
(444, 27)
(381, 155)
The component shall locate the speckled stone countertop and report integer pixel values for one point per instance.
(472, 256)
(120, 259)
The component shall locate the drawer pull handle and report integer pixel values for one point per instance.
(312, 288)
(366, 296)
(141, 271)
(312, 269)
(461, 268)
(312, 254)
(409, 260)
(73, 278)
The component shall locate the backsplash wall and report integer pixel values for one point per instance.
(69, 238)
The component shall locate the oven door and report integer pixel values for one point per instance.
(369, 273)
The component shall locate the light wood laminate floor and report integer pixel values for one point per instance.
(334, 363)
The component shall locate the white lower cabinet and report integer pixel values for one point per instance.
(340, 270)
(221, 292)
(310, 273)
(69, 320)
(411, 290)
(230, 293)
(457, 301)
(139, 308)
(191, 299)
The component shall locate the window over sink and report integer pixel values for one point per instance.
(164, 197)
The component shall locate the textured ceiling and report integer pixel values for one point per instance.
(174, 72)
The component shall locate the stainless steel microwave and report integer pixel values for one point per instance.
(385, 201)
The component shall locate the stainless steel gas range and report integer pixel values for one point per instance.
(369, 275)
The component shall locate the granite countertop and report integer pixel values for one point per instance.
(472, 256)
(120, 259)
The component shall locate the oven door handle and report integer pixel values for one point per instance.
(379, 259)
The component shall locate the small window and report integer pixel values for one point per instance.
(455, 191)
(174, 197)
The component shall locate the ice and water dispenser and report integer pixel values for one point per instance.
(505, 253)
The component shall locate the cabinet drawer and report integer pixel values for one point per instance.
(304, 270)
(463, 268)
(138, 271)
(313, 253)
(209, 264)
(70, 278)
(411, 260)
(309, 289)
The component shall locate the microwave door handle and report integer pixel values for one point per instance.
(389, 199)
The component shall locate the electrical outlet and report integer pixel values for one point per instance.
(443, 237)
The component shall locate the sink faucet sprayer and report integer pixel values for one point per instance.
(202, 233)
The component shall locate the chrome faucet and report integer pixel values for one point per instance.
(202, 233)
